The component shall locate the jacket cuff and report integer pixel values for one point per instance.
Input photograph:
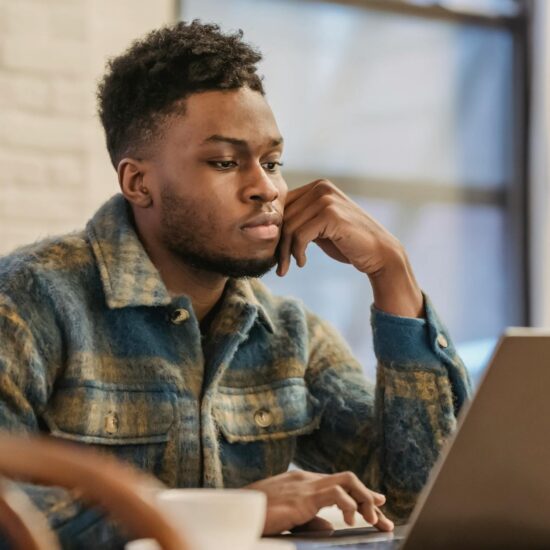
(411, 341)
(425, 344)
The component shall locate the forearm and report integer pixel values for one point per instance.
(415, 415)
(391, 435)
(421, 386)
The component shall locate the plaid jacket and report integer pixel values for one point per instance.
(93, 349)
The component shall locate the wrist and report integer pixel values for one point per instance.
(395, 289)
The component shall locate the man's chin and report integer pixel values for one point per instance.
(249, 268)
(232, 267)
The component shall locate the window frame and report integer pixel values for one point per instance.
(514, 195)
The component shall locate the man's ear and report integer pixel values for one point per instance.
(131, 178)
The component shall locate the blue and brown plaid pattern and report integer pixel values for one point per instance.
(94, 349)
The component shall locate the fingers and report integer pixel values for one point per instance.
(316, 188)
(295, 498)
(320, 212)
(354, 486)
(316, 200)
(295, 194)
(337, 495)
(290, 226)
(298, 231)
(349, 493)
(296, 243)
(383, 523)
(367, 501)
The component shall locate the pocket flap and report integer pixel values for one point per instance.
(275, 411)
(111, 415)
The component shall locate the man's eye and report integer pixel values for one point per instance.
(272, 166)
(222, 164)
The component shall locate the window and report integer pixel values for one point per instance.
(415, 112)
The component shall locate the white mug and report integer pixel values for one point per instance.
(215, 519)
(264, 544)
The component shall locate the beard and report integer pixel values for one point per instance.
(187, 231)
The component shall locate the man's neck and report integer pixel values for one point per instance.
(204, 288)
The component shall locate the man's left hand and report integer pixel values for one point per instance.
(295, 497)
(321, 213)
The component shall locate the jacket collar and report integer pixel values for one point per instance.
(128, 276)
(240, 294)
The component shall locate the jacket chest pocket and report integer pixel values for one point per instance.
(259, 427)
(132, 422)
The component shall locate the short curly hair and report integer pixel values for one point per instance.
(148, 81)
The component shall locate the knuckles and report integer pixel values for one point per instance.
(343, 499)
(349, 477)
(332, 210)
(323, 187)
(298, 475)
(326, 201)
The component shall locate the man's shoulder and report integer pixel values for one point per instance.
(51, 258)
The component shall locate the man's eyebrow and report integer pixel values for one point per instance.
(243, 144)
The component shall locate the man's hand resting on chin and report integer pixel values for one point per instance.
(319, 212)
(294, 499)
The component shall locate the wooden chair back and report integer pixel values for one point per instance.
(125, 493)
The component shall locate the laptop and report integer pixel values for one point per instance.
(491, 485)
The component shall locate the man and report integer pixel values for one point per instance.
(148, 334)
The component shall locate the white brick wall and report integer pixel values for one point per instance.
(54, 171)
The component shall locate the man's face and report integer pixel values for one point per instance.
(217, 185)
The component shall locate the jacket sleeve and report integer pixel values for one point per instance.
(390, 434)
(30, 355)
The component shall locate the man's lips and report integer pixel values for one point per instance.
(263, 226)
(265, 218)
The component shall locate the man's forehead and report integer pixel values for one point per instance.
(234, 117)
(272, 141)
(227, 102)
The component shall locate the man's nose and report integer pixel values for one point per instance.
(260, 186)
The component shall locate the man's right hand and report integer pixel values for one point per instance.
(294, 499)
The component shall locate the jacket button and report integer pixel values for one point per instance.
(111, 423)
(263, 418)
(179, 316)
(442, 341)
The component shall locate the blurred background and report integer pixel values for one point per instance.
(433, 116)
